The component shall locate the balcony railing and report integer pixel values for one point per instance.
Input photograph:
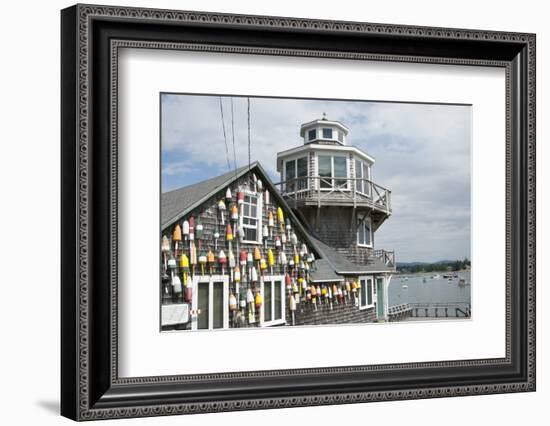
(386, 257)
(322, 190)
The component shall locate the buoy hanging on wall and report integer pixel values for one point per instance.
(176, 237)
(222, 208)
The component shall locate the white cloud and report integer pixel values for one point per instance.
(422, 154)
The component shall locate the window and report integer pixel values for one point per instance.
(312, 134)
(364, 230)
(366, 299)
(332, 166)
(273, 308)
(251, 218)
(362, 174)
(210, 299)
(290, 174)
(327, 133)
(325, 171)
(301, 172)
(340, 136)
(296, 169)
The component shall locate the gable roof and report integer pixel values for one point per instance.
(178, 203)
(175, 204)
(341, 265)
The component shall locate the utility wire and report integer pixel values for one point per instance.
(225, 136)
(233, 135)
(248, 110)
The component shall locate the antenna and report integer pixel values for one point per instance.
(248, 110)
(225, 137)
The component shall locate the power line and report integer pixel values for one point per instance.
(248, 110)
(233, 135)
(224, 135)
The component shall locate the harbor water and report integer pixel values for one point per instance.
(430, 288)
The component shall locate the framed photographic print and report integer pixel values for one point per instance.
(263, 212)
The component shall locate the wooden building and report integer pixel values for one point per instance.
(237, 251)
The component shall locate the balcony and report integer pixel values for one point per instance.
(326, 191)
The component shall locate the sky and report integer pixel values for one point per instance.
(421, 151)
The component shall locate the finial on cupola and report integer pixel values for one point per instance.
(324, 116)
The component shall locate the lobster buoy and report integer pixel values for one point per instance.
(228, 233)
(277, 242)
(292, 303)
(242, 257)
(184, 266)
(293, 239)
(185, 228)
(202, 261)
(232, 302)
(288, 282)
(263, 264)
(282, 258)
(270, 222)
(237, 273)
(222, 260)
(211, 259)
(165, 248)
(259, 185)
(188, 294)
(234, 213)
(257, 254)
(249, 296)
(270, 258)
(165, 244)
(171, 263)
(176, 284)
(258, 300)
(228, 195)
(191, 228)
(281, 218)
(254, 274)
(266, 197)
(198, 230)
(176, 237)
(240, 197)
(193, 255)
(222, 208)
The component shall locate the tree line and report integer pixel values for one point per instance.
(443, 266)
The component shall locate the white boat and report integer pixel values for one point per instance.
(405, 286)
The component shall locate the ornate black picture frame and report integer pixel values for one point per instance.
(91, 37)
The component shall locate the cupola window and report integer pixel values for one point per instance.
(327, 133)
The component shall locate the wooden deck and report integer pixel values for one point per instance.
(320, 191)
(429, 310)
